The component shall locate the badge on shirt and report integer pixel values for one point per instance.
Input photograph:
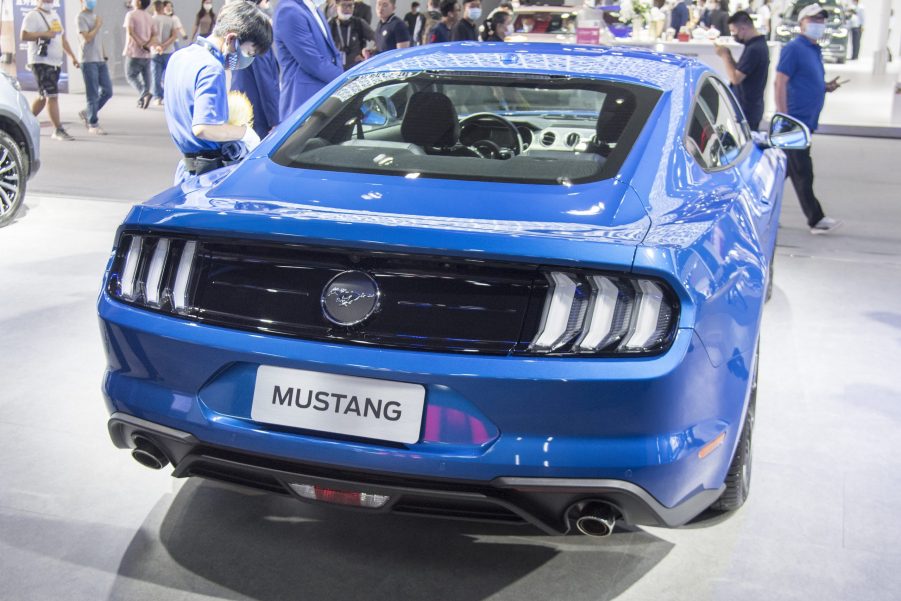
(56, 26)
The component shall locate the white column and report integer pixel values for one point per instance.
(880, 55)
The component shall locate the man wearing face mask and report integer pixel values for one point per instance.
(196, 93)
(259, 83)
(801, 89)
(351, 33)
(306, 52)
(467, 29)
(749, 76)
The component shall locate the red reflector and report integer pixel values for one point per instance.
(338, 497)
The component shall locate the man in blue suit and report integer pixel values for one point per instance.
(306, 53)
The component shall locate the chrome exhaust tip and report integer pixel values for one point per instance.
(596, 519)
(148, 454)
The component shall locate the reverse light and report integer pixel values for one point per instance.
(340, 497)
(604, 314)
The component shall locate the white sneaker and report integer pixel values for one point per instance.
(95, 130)
(825, 225)
(61, 134)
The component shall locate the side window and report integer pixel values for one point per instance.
(716, 136)
(702, 140)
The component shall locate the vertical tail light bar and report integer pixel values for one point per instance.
(155, 273)
(603, 314)
(650, 299)
(183, 277)
(564, 311)
(127, 283)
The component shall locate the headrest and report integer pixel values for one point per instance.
(430, 120)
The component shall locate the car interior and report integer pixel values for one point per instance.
(533, 130)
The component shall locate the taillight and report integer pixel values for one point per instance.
(154, 271)
(604, 314)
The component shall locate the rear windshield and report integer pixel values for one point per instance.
(535, 129)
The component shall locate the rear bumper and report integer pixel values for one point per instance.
(542, 502)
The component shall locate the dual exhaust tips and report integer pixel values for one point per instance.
(592, 518)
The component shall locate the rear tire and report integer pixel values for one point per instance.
(738, 478)
(12, 178)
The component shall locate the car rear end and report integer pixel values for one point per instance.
(421, 345)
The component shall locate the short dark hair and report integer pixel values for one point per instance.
(414, 5)
(158, 5)
(447, 7)
(741, 17)
(248, 22)
(145, 4)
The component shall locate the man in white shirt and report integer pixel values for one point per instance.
(42, 28)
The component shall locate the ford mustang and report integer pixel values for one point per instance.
(508, 282)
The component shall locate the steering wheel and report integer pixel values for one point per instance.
(488, 148)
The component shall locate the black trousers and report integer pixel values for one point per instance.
(800, 170)
(855, 43)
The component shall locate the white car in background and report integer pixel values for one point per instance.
(20, 138)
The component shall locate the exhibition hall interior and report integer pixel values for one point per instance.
(458, 300)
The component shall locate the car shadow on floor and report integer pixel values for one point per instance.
(227, 543)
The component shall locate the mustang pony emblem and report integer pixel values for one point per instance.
(345, 297)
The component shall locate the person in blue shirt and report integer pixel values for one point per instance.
(680, 16)
(196, 95)
(306, 52)
(260, 83)
(749, 75)
(441, 32)
(801, 89)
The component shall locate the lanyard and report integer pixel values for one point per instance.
(341, 35)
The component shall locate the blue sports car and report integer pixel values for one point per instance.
(508, 282)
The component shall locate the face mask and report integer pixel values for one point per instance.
(344, 17)
(815, 30)
(237, 60)
(474, 13)
(90, 4)
(207, 6)
(47, 5)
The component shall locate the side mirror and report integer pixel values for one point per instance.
(377, 111)
(788, 133)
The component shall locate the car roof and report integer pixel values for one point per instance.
(634, 65)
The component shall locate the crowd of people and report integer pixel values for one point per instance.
(314, 42)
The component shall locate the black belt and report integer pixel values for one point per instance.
(198, 163)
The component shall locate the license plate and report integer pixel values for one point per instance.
(363, 407)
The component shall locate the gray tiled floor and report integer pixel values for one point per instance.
(80, 520)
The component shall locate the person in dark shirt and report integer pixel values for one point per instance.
(679, 17)
(442, 31)
(749, 76)
(391, 33)
(496, 27)
(351, 34)
(415, 22)
(467, 29)
(363, 11)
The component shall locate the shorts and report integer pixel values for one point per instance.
(47, 78)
